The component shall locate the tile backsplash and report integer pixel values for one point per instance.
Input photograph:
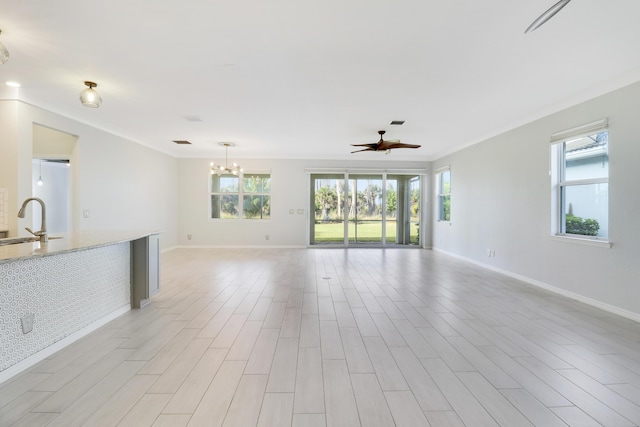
(4, 209)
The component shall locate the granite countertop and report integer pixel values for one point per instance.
(69, 243)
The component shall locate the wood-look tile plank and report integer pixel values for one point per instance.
(247, 401)
(483, 364)
(467, 407)
(330, 341)
(68, 372)
(217, 322)
(575, 417)
(530, 407)
(261, 309)
(364, 322)
(173, 376)
(372, 406)
(81, 409)
(277, 410)
(171, 420)
(426, 392)
(121, 402)
(613, 400)
(389, 375)
(405, 409)
(388, 331)
(195, 385)
(275, 315)
(542, 391)
(495, 403)
(291, 323)
(167, 355)
(341, 409)
(309, 330)
(262, 355)
(19, 408)
(35, 419)
(145, 411)
(20, 384)
(230, 331)
(309, 420)
(246, 340)
(74, 390)
(355, 352)
(444, 419)
(282, 376)
(582, 399)
(309, 387)
(212, 408)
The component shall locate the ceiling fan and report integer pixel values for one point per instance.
(547, 15)
(383, 145)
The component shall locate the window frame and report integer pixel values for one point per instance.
(559, 183)
(441, 194)
(240, 193)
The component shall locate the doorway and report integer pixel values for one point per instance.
(365, 209)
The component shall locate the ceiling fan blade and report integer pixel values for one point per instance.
(364, 149)
(372, 145)
(547, 15)
(389, 145)
(401, 145)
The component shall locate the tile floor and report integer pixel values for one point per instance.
(332, 337)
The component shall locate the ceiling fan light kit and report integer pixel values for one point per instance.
(546, 15)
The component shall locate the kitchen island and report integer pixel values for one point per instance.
(53, 293)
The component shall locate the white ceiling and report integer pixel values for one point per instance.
(304, 79)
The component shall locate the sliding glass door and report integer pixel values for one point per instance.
(365, 209)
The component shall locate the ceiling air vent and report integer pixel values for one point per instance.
(182, 142)
(397, 122)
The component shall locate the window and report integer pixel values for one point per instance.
(241, 196)
(443, 193)
(580, 180)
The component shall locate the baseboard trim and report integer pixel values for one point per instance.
(542, 285)
(59, 345)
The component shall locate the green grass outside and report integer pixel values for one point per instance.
(368, 232)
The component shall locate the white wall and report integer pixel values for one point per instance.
(123, 185)
(501, 200)
(289, 190)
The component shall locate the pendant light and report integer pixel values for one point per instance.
(234, 169)
(89, 97)
(4, 52)
(40, 182)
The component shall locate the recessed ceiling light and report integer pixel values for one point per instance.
(182, 142)
(192, 118)
(397, 122)
(13, 84)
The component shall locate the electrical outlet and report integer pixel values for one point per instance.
(493, 253)
(266, 237)
(85, 213)
(188, 236)
(488, 252)
(27, 323)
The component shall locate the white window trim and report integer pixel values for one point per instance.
(438, 175)
(556, 141)
(240, 194)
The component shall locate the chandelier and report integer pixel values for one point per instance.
(234, 169)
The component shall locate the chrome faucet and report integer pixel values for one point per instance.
(42, 234)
